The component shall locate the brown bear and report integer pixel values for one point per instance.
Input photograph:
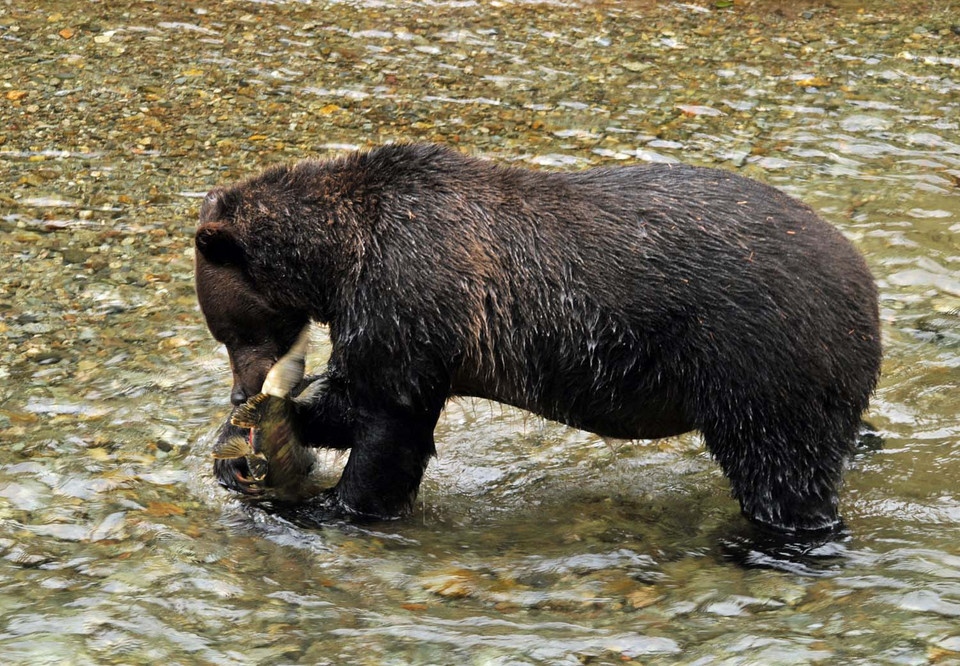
(632, 302)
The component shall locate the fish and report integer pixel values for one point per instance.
(279, 463)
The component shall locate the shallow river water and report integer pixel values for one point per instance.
(531, 542)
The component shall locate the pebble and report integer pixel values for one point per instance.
(73, 256)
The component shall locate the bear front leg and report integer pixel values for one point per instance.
(389, 455)
(323, 413)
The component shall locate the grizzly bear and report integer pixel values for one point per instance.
(632, 302)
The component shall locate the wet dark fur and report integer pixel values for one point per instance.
(632, 302)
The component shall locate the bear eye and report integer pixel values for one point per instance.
(245, 339)
(232, 338)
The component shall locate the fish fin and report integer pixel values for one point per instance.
(311, 393)
(248, 414)
(288, 371)
(232, 447)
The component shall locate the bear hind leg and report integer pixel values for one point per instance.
(784, 469)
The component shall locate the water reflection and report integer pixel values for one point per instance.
(803, 556)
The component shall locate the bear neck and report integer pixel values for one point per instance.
(308, 265)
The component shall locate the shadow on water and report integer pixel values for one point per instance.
(303, 522)
(752, 547)
(316, 513)
(869, 439)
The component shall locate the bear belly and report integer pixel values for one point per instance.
(641, 414)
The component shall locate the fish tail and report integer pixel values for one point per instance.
(289, 370)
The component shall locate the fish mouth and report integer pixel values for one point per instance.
(250, 485)
(257, 470)
(258, 467)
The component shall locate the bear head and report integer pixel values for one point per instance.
(238, 311)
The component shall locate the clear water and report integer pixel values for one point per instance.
(532, 543)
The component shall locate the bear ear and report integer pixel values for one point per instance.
(218, 244)
(217, 205)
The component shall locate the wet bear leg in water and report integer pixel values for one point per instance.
(785, 475)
